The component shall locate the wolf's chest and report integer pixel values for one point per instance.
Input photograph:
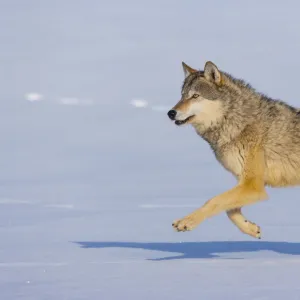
(232, 160)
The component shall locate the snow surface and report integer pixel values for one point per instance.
(33, 97)
(88, 192)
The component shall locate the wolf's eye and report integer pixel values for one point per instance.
(195, 95)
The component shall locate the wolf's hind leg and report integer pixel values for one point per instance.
(247, 227)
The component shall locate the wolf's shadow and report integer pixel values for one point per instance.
(201, 249)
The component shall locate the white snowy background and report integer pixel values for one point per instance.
(92, 172)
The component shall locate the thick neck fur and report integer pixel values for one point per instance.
(238, 108)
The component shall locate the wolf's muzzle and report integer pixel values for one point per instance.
(172, 114)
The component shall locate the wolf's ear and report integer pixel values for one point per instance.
(187, 70)
(212, 73)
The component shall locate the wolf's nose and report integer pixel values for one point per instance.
(172, 114)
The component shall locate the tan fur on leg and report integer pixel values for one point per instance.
(246, 226)
(249, 190)
(239, 196)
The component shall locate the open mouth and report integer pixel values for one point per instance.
(181, 122)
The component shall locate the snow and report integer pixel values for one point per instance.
(33, 97)
(75, 101)
(139, 103)
(90, 184)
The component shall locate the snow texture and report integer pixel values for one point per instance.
(33, 97)
(90, 184)
(139, 103)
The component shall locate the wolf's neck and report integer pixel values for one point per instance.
(222, 132)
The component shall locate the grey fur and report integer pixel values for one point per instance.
(274, 122)
(255, 137)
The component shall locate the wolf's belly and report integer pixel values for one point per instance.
(282, 173)
(279, 171)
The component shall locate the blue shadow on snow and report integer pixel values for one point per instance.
(201, 249)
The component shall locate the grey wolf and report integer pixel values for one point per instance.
(254, 137)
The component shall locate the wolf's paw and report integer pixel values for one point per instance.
(252, 229)
(186, 224)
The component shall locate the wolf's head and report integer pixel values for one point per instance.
(201, 97)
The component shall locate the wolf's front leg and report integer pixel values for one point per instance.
(244, 225)
(244, 194)
(251, 187)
